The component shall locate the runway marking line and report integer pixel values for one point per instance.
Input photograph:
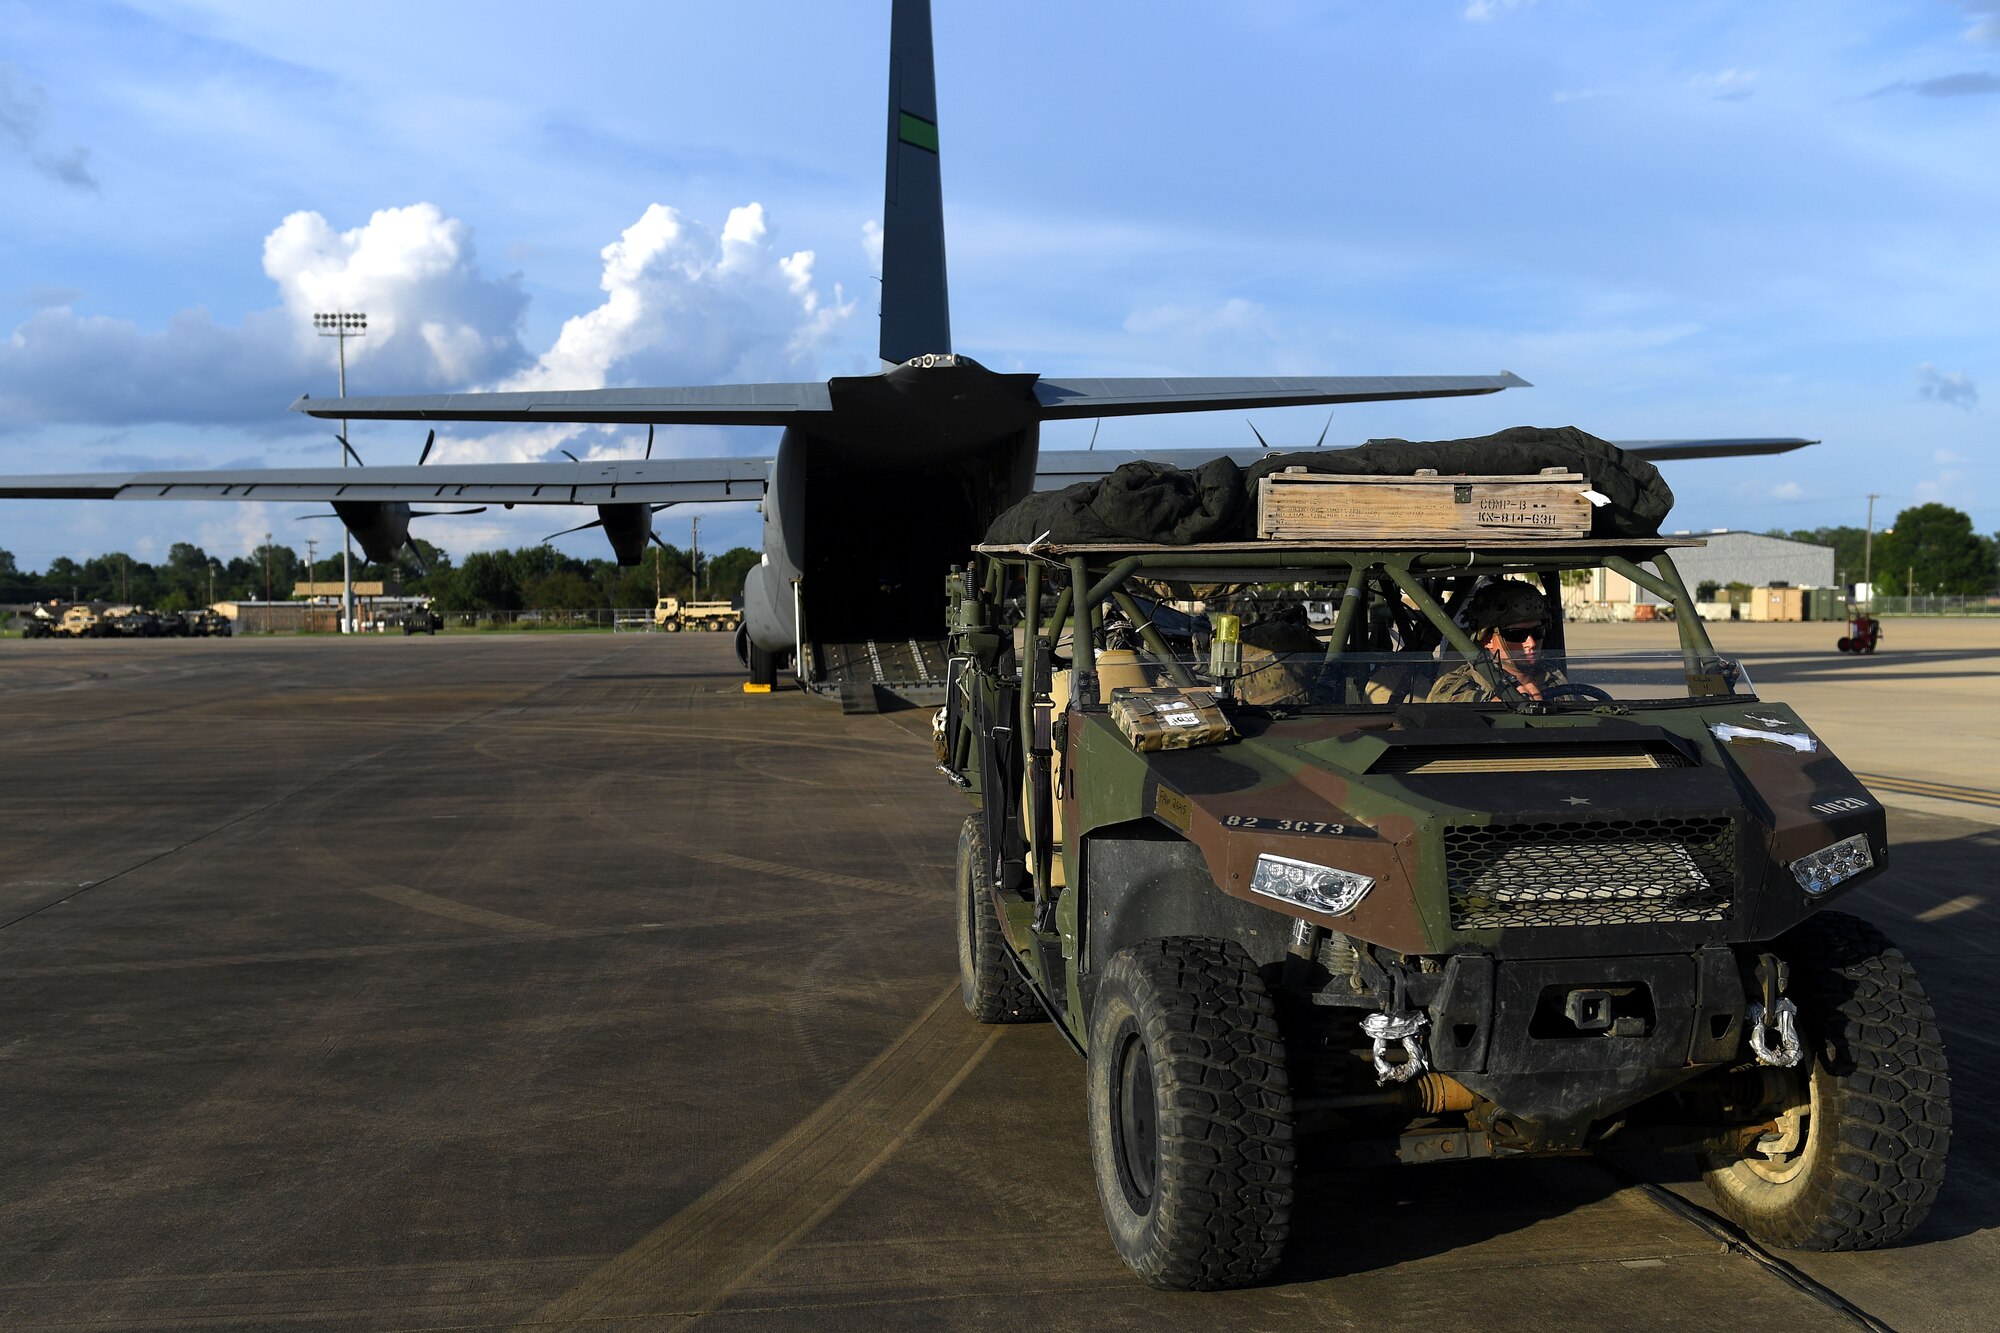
(697, 1258)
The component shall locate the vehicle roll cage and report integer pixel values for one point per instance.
(1104, 570)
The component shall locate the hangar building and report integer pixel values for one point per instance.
(1729, 557)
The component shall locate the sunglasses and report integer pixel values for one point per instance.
(1522, 633)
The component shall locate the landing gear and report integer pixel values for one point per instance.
(763, 665)
(1190, 1115)
(1857, 1154)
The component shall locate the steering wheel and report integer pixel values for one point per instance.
(1575, 689)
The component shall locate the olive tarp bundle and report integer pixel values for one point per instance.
(1152, 502)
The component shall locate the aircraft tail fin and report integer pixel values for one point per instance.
(916, 314)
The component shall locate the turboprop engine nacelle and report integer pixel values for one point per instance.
(628, 527)
(381, 526)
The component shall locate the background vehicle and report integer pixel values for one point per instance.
(79, 622)
(671, 613)
(1325, 910)
(205, 624)
(420, 620)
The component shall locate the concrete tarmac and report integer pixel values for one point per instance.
(550, 981)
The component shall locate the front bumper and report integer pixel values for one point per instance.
(1561, 1045)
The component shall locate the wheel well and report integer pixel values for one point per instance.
(1141, 882)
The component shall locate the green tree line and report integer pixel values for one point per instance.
(527, 578)
(1929, 550)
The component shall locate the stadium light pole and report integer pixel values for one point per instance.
(342, 325)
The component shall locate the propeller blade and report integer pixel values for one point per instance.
(594, 523)
(1093, 434)
(319, 516)
(444, 513)
(659, 541)
(1323, 430)
(429, 440)
(417, 557)
(1258, 433)
(649, 439)
(350, 451)
(666, 505)
(572, 457)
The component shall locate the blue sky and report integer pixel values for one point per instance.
(1675, 219)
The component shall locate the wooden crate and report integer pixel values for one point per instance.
(1296, 505)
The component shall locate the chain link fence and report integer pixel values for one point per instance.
(1987, 604)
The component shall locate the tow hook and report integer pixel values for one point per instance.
(1774, 1033)
(1406, 1026)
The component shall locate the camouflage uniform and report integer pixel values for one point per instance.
(1501, 602)
(1462, 685)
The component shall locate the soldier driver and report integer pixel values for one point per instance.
(1509, 620)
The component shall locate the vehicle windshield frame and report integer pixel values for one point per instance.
(1105, 571)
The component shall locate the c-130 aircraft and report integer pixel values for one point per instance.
(880, 482)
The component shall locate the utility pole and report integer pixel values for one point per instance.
(267, 571)
(694, 563)
(211, 584)
(343, 325)
(312, 575)
(1868, 551)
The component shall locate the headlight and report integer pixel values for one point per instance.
(1320, 888)
(1832, 865)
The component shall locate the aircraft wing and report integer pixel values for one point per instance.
(702, 405)
(1657, 450)
(1069, 400)
(1057, 468)
(657, 480)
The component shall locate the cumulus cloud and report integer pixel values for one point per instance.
(682, 305)
(1950, 85)
(682, 302)
(23, 109)
(1787, 490)
(1729, 85)
(1954, 389)
(432, 314)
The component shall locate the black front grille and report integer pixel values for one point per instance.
(1590, 873)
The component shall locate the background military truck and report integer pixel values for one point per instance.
(1276, 897)
(207, 624)
(671, 613)
(419, 620)
(79, 622)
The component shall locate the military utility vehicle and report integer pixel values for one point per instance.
(419, 620)
(671, 613)
(1275, 894)
(207, 624)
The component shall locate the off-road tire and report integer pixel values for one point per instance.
(1200, 1199)
(993, 991)
(1880, 1099)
